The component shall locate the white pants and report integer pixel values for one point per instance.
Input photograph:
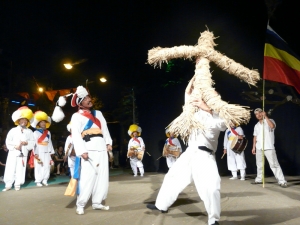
(42, 171)
(90, 183)
(273, 162)
(198, 166)
(71, 164)
(15, 170)
(170, 161)
(134, 163)
(236, 162)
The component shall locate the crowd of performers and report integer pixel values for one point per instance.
(90, 142)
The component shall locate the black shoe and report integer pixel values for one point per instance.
(153, 207)
(216, 223)
(255, 182)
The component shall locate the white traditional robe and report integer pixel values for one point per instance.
(235, 161)
(90, 182)
(269, 151)
(171, 159)
(134, 161)
(44, 150)
(198, 166)
(15, 164)
(68, 151)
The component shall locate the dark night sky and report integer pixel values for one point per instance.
(115, 37)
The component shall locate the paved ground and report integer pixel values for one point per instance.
(242, 203)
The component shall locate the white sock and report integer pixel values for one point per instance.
(234, 173)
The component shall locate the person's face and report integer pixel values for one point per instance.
(258, 115)
(23, 122)
(171, 135)
(42, 124)
(87, 102)
(135, 134)
(60, 149)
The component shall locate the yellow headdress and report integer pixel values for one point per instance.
(168, 133)
(134, 128)
(40, 116)
(22, 112)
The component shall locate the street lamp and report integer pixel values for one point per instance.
(41, 89)
(69, 66)
(103, 79)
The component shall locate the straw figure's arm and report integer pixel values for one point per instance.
(205, 48)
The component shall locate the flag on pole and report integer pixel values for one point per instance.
(281, 63)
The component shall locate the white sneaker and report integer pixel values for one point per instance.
(101, 207)
(80, 211)
(17, 188)
(142, 175)
(134, 175)
(233, 178)
(39, 185)
(45, 183)
(6, 189)
(242, 178)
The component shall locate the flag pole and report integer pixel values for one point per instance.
(263, 136)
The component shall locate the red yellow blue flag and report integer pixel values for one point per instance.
(281, 63)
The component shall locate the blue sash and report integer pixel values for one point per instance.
(90, 122)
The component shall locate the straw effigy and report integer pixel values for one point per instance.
(205, 53)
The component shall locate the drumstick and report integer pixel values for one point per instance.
(159, 157)
(223, 155)
(148, 153)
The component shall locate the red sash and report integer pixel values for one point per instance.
(43, 136)
(91, 117)
(170, 142)
(137, 140)
(234, 132)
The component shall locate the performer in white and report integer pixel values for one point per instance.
(172, 142)
(136, 149)
(200, 126)
(92, 142)
(19, 141)
(43, 148)
(235, 161)
(70, 151)
(269, 125)
(196, 164)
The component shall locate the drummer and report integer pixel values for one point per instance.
(136, 147)
(171, 143)
(235, 161)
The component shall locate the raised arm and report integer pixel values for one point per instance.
(270, 123)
